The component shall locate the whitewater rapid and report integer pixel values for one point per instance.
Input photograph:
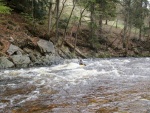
(104, 85)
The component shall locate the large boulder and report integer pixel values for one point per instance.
(5, 63)
(46, 46)
(21, 60)
(14, 49)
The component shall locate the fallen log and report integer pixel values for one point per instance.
(76, 50)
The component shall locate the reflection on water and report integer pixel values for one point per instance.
(103, 86)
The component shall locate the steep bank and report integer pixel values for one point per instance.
(22, 45)
(19, 48)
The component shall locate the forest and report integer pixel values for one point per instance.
(82, 28)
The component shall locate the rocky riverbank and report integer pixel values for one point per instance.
(43, 53)
(23, 45)
(20, 48)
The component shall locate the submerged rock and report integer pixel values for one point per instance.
(5, 63)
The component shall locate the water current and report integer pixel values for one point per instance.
(117, 85)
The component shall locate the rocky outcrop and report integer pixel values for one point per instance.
(46, 46)
(42, 53)
(5, 63)
(14, 49)
(21, 60)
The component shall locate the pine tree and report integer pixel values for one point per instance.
(139, 13)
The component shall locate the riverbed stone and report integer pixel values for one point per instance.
(5, 63)
(46, 46)
(21, 60)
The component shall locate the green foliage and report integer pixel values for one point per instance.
(28, 17)
(3, 8)
(93, 25)
(74, 19)
(105, 7)
(146, 31)
(63, 23)
(94, 41)
(138, 12)
(35, 8)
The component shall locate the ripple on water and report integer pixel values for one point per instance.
(104, 85)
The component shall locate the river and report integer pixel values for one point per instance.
(117, 85)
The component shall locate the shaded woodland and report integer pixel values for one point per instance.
(104, 27)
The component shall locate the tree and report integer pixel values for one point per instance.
(50, 16)
(139, 13)
(57, 20)
(37, 8)
(78, 26)
(65, 32)
(106, 9)
(126, 12)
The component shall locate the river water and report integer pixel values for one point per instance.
(118, 85)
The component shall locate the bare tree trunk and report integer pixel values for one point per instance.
(92, 20)
(50, 17)
(106, 22)
(65, 32)
(33, 21)
(100, 24)
(63, 6)
(126, 25)
(140, 33)
(57, 20)
(117, 23)
(100, 19)
(78, 27)
(125, 31)
(149, 22)
(141, 17)
(127, 41)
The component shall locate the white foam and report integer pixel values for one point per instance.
(31, 97)
(66, 66)
(126, 61)
(2, 105)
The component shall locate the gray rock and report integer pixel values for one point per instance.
(48, 59)
(32, 57)
(37, 54)
(5, 63)
(21, 60)
(46, 46)
(146, 53)
(11, 39)
(12, 49)
(27, 50)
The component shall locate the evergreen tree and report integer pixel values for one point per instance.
(36, 8)
(139, 13)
